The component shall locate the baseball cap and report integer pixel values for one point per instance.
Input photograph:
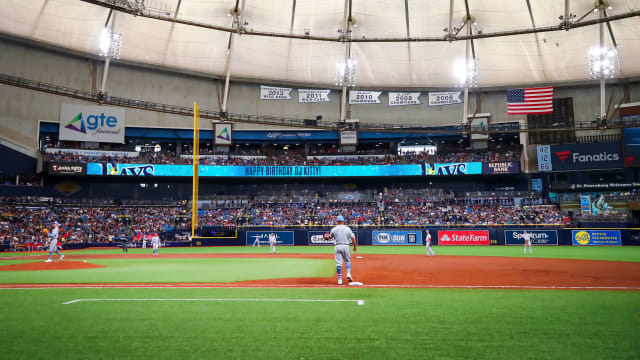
(340, 218)
(56, 223)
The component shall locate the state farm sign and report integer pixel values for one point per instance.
(463, 237)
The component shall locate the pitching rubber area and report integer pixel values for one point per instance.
(392, 271)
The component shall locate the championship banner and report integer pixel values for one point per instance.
(404, 98)
(262, 237)
(596, 237)
(364, 97)
(67, 168)
(91, 123)
(472, 168)
(538, 237)
(223, 134)
(445, 98)
(313, 96)
(463, 237)
(274, 93)
(396, 237)
(502, 167)
(544, 158)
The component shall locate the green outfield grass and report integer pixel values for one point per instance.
(392, 324)
(159, 270)
(612, 253)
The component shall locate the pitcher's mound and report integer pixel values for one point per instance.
(56, 265)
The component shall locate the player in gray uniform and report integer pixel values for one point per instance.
(53, 242)
(342, 237)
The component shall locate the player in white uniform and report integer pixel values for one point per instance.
(272, 242)
(527, 241)
(342, 237)
(155, 242)
(53, 241)
(427, 242)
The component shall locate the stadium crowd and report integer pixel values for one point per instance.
(290, 158)
(24, 223)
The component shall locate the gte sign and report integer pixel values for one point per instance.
(91, 123)
(586, 156)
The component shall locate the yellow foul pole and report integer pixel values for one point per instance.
(196, 163)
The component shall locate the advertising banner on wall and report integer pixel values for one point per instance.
(501, 167)
(596, 237)
(274, 93)
(317, 238)
(364, 97)
(463, 237)
(222, 134)
(396, 237)
(404, 98)
(631, 146)
(313, 95)
(585, 204)
(544, 158)
(538, 237)
(254, 171)
(262, 238)
(348, 137)
(67, 168)
(91, 123)
(472, 168)
(586, 156)
(445, 98)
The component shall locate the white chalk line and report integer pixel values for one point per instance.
(358, 302)
(324, 286)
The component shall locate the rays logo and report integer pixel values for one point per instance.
(133, 170)
(446, 169)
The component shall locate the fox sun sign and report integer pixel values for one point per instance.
(91, 123)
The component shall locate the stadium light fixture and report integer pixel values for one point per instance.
(602, 63)
(346, 72)
(110, 43)
(466, 73)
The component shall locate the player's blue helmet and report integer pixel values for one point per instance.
(340, 218)
(56, 223)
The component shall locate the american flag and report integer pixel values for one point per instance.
(530, 101)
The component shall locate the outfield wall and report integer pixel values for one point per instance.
(415, 236)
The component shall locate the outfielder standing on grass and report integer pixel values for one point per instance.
(272, 242)
(155, 241)
(527, 241)
(53, 241)
(342, 236)
(427, 242)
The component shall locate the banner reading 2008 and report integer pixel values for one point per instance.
(404, 98)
